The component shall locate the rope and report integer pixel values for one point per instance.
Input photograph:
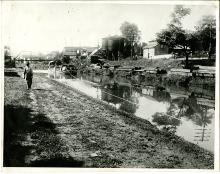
(71, 74)
(121, 98)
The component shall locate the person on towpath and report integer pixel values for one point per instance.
(28, 75)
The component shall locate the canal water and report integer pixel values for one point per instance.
(188, 113)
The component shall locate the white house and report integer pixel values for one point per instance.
(154, 50)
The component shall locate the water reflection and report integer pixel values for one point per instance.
(167, 122)
(120, 94)
(188, 113)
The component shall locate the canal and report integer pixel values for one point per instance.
(186, 112)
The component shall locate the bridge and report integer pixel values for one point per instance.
(28, 56)
(34, 60)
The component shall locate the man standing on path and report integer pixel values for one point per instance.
(28, 75)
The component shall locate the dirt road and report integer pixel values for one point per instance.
(54, 125)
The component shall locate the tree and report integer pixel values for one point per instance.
(66, 59)
(175, 36)
(57, 55)
(206, 31)
(131, 32)
(9, 62)
(179, 13)
(7, 51)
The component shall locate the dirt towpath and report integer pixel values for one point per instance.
(54, 125)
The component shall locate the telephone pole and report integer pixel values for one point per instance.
(210, 40)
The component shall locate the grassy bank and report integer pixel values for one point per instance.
(58, 126)
(29, 134)
(146, 63)
(166, 64)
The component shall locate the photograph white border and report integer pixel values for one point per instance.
(127, 170)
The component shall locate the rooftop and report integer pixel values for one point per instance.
(151, 44)
(114, 37)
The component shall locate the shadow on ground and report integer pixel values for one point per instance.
(11, 74)
(19, 122)
(40, 89)
(58, 162)
(16, 124)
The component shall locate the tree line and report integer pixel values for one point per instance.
(203, 39)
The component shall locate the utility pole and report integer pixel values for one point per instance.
(210, 40)
(132, 40)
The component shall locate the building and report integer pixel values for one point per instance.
(76, 52)
(70, 52)
(154, 50)
(115, 47)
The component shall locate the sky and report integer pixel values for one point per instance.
(49, 27)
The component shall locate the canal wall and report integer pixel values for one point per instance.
(154, 78)
(169, 71)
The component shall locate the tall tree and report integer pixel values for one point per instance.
(206, 31)
(7, 51)
(175, 36)
(179, 13)
(131, 32)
